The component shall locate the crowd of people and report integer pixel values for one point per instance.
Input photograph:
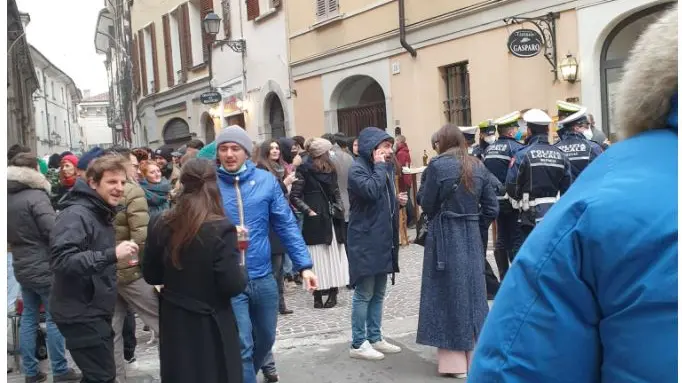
(199, 242)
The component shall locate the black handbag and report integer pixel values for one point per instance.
(423, 221)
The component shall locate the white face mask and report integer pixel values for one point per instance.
(489, 139)
(588, 133)
(470, 150)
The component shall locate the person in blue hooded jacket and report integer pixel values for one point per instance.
(254, 201)
(372, 244)
(592, 296)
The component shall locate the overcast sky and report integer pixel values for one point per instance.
(64, 31)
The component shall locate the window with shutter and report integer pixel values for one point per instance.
(326, 9)
(155, 61)
(321, 9)
(185, 41)
(143, 62)
(252, 9)
(227, 26)
(206, 7)
(168, 50)
(136, 66)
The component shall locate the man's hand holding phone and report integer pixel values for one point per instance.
(379, 156)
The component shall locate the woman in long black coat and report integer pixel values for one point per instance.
(192, 251)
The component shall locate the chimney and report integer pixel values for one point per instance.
(86, 94)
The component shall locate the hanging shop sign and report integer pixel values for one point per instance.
(210, 98)
(525, 43)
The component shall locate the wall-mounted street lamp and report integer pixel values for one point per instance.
(568, 67)
(211, 24)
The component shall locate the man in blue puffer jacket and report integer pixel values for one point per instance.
(253, 200)
(592, 295)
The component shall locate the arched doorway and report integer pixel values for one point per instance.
(614, 54)
(360, 102)
(276, 118)
(176, 133)
(209, 127)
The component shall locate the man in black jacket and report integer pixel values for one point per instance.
(30, 219)
(83, 259)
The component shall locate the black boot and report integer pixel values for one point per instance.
(331, 300)
(317, 295)
(502, 260)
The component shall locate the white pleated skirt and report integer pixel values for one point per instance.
(330, 264)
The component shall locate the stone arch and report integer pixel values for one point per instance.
(616, 42)
(358, 101)
(207, 127)
(176, 132)
(271, 94)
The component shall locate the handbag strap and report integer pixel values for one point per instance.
(319, 185)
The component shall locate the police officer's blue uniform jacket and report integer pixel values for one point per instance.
(579, 151)
(541, 170)
(264, 206)
(499, 154)
(592, 296)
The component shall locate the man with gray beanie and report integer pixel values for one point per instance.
(253, 200)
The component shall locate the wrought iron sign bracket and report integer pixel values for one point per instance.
(238, 46)
(547, 26)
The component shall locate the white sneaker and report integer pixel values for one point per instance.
(366, 351)
(386, 348)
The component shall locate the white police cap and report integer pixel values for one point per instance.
(470, 130)
(508, 119)
(537, 117)
(577, 117)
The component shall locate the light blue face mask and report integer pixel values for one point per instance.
(241, 170)
(519, 134)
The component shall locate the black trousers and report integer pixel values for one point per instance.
(91, 345)
(491, 282)
(508, 237)
(129, 339)
(277, 272)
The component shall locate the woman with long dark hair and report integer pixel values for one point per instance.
(192, 251)
(456, 194)
(316, 193)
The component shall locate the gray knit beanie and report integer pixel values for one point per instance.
(236, 134)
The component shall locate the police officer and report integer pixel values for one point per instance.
(486, 136)
(491, 282)
(538, 174)
(496, 158)
(576, 134)
(565, 109)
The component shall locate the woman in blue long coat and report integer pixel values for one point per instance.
(456, 194)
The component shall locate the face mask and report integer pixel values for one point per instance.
(519, 134)
(470, 150)
(489, 139)
(588, 133)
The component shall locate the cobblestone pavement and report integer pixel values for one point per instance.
(402, 299)
(306, 324)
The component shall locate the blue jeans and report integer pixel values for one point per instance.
(28, 334)
(13, 287)
(368, 306)
(256, 312)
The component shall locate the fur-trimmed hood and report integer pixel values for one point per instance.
(643, 100)
(20, 178)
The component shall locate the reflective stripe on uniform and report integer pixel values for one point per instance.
(549, 165)
(543, 200)
(579, 158)
(506, 196)
(498, 156)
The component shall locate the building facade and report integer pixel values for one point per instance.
(22, 81)
(55, 105)
(113, 39)
(255, 84)
(170, 70)
(94, 121)
(419, 65)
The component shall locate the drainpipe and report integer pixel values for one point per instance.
(401, 18)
